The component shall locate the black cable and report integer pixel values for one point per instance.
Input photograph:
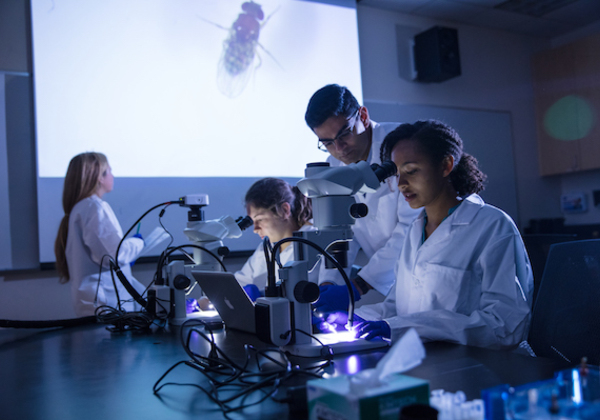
(110, 260)
(130, 289)
(112, 276)
(186, 343)
(327, 255)
(271, 289)
(106, 314)
(326, 351)
(160, 216)
(230, 385)
(166, 204)
(114, 266)
(123, 320)
(164, 255)
(115, 263)
(66, 323)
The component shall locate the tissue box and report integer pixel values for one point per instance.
(332, 399)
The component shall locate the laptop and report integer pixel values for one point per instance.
(229, 299)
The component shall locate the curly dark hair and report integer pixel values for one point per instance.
(439, 140)
(271, 193)
(330, 101)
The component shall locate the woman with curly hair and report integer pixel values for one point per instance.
(463, 274)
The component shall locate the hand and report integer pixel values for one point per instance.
(205, 304)
(335, 298)
(335, 321)
(372, 329)
(317, 323)
(339, 318)
(191, 306)
(252, 291)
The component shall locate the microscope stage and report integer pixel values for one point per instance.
(339, 343)
(209, 317)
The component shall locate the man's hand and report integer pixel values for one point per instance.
(334, 298)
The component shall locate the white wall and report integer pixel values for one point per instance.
(496, 75)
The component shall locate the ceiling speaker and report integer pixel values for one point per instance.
(436, 55)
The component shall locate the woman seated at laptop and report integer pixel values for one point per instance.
(463, 274)
(277, 210)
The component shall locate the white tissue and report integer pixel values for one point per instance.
(405, 354)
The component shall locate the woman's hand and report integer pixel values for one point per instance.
(372, 329)
(252, 291)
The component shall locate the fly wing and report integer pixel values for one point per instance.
(236, 66)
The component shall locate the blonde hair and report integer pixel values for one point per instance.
(81, 181)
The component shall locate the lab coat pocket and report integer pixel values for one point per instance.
(446, 287)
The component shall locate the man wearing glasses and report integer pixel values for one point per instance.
(345, 131)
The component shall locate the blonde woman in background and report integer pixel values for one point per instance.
(89, 234)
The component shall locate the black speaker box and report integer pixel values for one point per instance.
(436, 54)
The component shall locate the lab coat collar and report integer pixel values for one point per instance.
(95, 197)
(463, 215)
(377, 132)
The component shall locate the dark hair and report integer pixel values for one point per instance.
(438, 140)
(329, 101)
(271, 193)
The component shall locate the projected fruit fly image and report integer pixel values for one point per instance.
(239, 58)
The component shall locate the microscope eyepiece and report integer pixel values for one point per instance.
(244, 222)
(385, 170)
(359, 210)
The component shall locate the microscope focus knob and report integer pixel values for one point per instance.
(358, 210)
(223, 251)
(306, 292)
(181, 282)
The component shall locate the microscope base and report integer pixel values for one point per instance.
(341, 346)
(206, 316)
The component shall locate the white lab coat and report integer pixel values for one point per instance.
(94, 231)
(470, 282)
(254, 271)
(381, 233)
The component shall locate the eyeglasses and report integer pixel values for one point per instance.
(344, 135)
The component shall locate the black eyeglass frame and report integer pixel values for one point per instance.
(325, 144)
